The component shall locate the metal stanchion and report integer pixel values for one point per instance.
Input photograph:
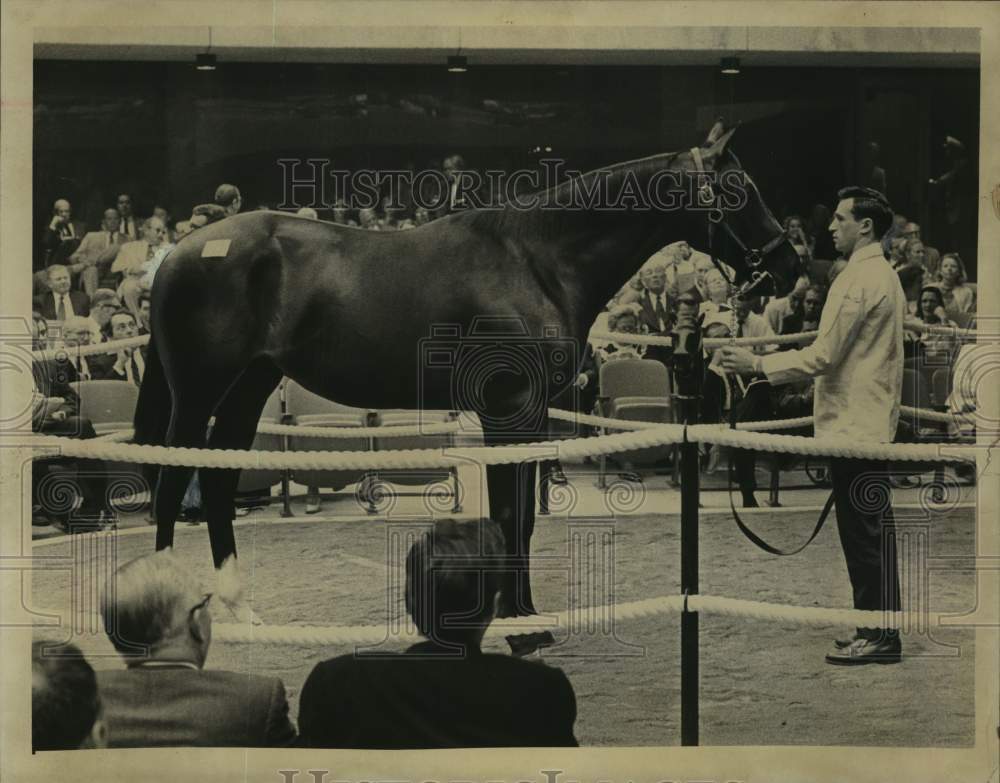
(688, 370)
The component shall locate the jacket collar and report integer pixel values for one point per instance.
(872, 250)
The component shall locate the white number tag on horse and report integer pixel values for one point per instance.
(216, 248)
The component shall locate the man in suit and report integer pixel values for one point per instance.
(130, 363)
(656, 316)
(161, 625)
(62, 235)
(443, 692)
(103, 303)
(76, 333)
(66, 710)
(97, 251)
(135, 259)
(56, 411)
(60, 303)
(857, 360)
(130, 224)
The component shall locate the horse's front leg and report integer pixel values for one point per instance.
(512, 506)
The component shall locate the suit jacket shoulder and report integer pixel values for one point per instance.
(149, 707)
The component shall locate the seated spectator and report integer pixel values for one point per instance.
(144, 305)
(161, 625)
(717, 288)
(749, 324)
(776, 310)
(932, 257)
(66, 710)
(308, 212)
(913, 274)
(797, 236)
(60, 303)
(62, 235)
(421, 216)
(807, 318)
(130, 225)
(959, 298)
(95, 367)
(444, 692)
(656, 310)
(369, 219)
(136, 259)
(935, 350)
(624, 319)
(164, 215)
(97, 251)
(228, 197)
(102, 304)
(130, 362)
(55, 410)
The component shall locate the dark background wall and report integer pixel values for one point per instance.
(169, 134)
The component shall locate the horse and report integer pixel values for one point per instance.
(349, 314)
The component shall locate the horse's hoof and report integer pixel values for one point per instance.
(523, 644)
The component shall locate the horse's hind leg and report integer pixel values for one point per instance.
(235, 426)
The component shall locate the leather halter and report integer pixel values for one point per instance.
(753, 258)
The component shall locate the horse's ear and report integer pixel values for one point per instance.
(715, 134)
(718, 146)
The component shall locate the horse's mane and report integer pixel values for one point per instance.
(542, 220)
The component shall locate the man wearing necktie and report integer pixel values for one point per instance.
(97, 251)
(60, 303)
(128, 229)
(657, 311)
(130, 364)
(62, 235)
(76, 333)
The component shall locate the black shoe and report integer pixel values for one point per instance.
(842, 643)
(864, 651)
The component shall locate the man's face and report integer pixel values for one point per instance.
(74, 336)
(687, 307)
(156, 232)
(702, 268)
(125, 206)
(626, 323)
(743, 308)
(794, 226)
(144, 313)
(718, 289)
(911, 231)
(684, 251)
(844, 227)
(916, 253)
(63, 210)
(59, 280)
(102, 312)
(123, 326)
(812, 306)
(655, 281)
(111, 221)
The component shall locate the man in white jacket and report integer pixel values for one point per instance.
(857, 360)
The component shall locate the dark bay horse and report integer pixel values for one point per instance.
(347, 313)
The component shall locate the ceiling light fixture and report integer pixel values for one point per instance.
(458, 63)
(206, 61)
(730, 65)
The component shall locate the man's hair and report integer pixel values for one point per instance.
(226, 194)
(52, 268)
(124, 311)
(211, 212)
(869, 203)
(65, 702)
(148, 594)
(452, 577)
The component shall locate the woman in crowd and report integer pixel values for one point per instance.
(934, 349)
(622, 318)
(959, 298)
(913, 272)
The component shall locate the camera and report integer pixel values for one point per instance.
(501, 372)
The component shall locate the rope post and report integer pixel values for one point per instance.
(689, 369)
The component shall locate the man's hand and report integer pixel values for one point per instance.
(581, 381)
(738, 360)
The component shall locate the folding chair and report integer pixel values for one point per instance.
(302, 407)
(635, 390)
(110, 405)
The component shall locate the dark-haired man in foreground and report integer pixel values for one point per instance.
(857, 360)
(66, 712)
(443, 692)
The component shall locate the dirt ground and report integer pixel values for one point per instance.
(761, 683)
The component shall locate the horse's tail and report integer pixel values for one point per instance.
(152, 411)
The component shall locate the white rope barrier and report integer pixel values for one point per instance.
(112, 346)
(573, 619)
(384, 431)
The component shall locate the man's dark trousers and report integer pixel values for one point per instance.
(862, 498)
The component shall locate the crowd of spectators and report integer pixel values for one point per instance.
(444, 692)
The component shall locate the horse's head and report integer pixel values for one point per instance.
(740, 228)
